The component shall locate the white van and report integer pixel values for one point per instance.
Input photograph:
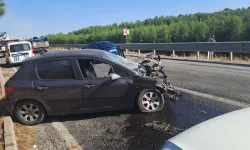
(17, 51)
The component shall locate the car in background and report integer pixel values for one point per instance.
(226, 132)
(40, 44)
(17, 51)
(79, 81)
(106, 46)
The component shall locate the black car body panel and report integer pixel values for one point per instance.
(73, 96)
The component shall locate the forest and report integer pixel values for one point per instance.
(226, 25)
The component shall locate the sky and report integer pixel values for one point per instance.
(28, 18)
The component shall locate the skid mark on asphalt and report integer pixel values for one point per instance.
(215, 98)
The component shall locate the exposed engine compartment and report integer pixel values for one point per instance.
(152, 63)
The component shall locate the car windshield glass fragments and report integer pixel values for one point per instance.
(126, 63)
(19, 47)
(61, 69)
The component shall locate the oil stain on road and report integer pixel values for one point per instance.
(150, 131)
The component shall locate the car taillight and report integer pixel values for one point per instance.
(9, 90)
(32, 49)
(8, 53)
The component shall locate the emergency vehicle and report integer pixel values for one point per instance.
(17, 51)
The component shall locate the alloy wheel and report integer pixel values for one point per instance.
(150, 101)
(29, 112)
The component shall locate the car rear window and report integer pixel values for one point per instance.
(106, 44)
(60, 69)
(20, 47)
(23, 72)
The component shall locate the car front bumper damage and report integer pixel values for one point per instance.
(167, 90)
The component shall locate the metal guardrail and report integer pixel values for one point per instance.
(230, 47)
(239, 47)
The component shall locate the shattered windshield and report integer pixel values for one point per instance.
(126, 63)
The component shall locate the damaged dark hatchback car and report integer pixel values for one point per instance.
(74, 82)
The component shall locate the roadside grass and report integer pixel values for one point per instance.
(25, 136)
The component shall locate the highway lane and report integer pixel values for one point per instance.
(232, 82)
(227, 81)
(127, 130)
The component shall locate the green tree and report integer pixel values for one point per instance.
(2, 8)
(228, 25)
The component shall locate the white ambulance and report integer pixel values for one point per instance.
(17, 51)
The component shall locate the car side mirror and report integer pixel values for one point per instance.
(114, 76)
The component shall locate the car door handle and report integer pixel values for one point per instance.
(42, 88)
(89, 85)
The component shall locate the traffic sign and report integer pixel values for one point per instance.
(126, 31)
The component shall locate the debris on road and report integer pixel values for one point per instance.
(73, 147)
(163, 126)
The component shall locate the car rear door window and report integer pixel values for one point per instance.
(19, 47)
(97, 69)
(60, 69)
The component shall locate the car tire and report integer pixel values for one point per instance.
(27, 108)
(150, 101)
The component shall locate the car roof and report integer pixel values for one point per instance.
(100, 42)
(103, 42)
(67, 53)
(19, 42)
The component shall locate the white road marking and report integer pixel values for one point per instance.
(214, 98)
(65, 134)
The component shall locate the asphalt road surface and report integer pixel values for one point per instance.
(129, 130)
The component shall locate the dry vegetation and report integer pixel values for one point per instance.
(26, 138)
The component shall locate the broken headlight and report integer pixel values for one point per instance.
(161, 85)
